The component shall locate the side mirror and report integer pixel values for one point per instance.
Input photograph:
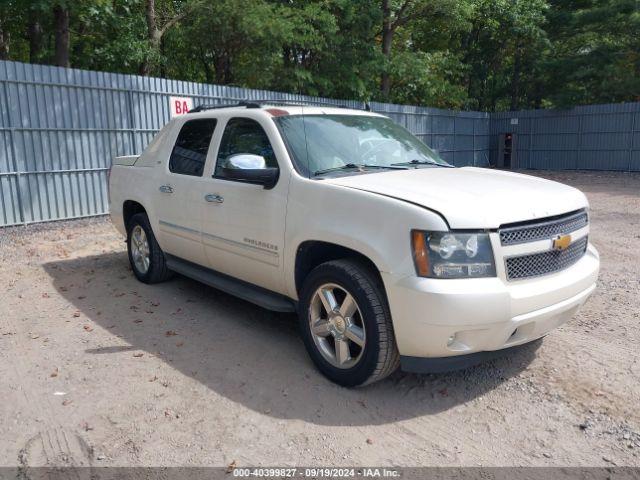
(248, 168)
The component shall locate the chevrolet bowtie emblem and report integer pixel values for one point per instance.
(561, 242)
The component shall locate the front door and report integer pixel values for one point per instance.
(243, 224)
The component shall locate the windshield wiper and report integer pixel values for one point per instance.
(420, 162)
(357, 166)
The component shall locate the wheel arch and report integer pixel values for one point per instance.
(129, 209)
(312, 253)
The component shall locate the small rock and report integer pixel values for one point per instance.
(100, 457)
(547, 455)
(369, 441)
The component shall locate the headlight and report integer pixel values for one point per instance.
(452, 255)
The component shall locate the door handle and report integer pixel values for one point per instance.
(211, 198)
(166, 189)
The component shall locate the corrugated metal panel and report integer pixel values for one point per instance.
(593, 137)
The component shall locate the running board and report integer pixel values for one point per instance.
(244, 290)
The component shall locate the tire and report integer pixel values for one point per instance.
(157, 270)
(378, 357)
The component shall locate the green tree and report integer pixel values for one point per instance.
(477, 54)
(596, 52)
(501, 47)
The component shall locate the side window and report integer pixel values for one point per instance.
(190, 151)
(243, 135)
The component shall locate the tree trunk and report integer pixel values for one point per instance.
(223, 68)
(154, 35)
(163, 67)
(208, 74)
(538, 92)
(387, 38)
(515, 79)
(61, 22)
(34, 34)
(5, 38)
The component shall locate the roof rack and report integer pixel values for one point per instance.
(297, 103)
(260, 103)
(202, 108)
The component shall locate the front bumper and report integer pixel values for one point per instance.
(455, 362)
(436, 318)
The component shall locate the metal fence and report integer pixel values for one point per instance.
(594, 137)
(60, 129)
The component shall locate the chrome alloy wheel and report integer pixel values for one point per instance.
(140, 249)
(337, 327)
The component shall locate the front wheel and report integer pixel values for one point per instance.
(346, 324)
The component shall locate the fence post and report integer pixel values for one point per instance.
(532, 122)
(579, 142)
(14, 160)
(633, 131)
(473, 146)
(132, 124)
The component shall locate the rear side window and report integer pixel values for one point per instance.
(190, 151)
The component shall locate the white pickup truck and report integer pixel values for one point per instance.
(390, 256)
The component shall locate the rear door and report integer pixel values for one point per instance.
(178, 203)
(243, 224)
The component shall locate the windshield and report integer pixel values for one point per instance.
(321, 144)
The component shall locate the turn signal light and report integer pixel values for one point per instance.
(420, 254)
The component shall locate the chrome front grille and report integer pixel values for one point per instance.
(544, 230)
(543, 263)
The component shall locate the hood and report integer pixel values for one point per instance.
(472, 198)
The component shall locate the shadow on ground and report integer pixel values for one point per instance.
(249, 355)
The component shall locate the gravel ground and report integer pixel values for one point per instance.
(98, 369)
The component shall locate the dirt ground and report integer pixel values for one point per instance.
(99, 369)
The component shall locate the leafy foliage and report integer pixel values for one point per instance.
(480, 54)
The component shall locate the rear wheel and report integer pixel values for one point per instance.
(346, 324)
(145, 255)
